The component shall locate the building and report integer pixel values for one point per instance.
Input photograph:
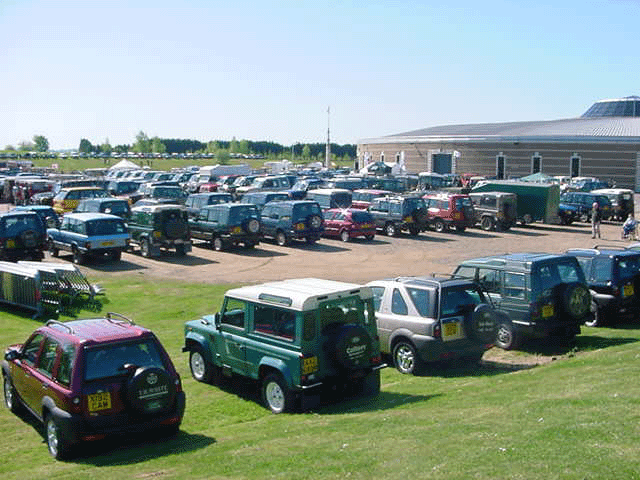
(604, 142)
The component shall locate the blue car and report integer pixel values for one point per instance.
(89, 235)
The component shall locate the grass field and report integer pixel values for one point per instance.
(577, 417)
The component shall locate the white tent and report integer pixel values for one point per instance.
(125, 165)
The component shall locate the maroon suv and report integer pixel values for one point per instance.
(348, 223)
(86, 379)
(449, 210)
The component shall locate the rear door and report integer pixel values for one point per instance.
(233, 322)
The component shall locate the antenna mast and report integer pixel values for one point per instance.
(327, 155)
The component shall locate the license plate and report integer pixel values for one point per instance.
(309, 365)
(365, 226)
(107, 244)
(627, 291)
(547, 311)
(237, 230)
(452, 330)
(11, 244)
(99, 401)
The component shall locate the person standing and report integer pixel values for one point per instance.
(596, 218)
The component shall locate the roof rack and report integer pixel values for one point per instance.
(122, 317)
(57, 323)
(609, 247)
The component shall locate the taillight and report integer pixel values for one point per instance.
(87, 245)
(76, 404)
(375, 360)
(437, 331)
(178, 385)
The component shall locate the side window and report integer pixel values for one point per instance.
(489, 279)
(377, 297)
(32, 348)
(514, 285)
(601, 270)
(66, 365)
(309, 327)
(274, 321)
(398, 305)
(466, 272)
(395, 208)
(585, 264)
(421, 300)
(48, 357)
(234, 313)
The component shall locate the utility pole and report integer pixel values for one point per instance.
(327, 155)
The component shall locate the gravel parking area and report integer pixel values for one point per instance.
(357, 261)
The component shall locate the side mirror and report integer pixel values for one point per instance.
(216, 319)
(11, 355)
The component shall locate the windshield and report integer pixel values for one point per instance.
(414, 203)
(109, 360)
(106, 227)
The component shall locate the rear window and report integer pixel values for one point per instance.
(361, 217)
(628, 267)
(549, 275)
(106, 227)
(115, 207)
(238, 215)
(414, 203)
(109, 360)
(15, 225)
(461, 299)
(306, 209)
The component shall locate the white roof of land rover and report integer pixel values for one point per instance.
(299, 293)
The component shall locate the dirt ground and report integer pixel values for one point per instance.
(356, 261)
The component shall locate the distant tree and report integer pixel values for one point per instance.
(106, 147)
(243, 147)
(157, 146)
(26, 146)
(233, 146)
(41, 144)
(223, 156)
(85, 146)
(10, 148)
(306, 152)
(143, 144)
(212, 147)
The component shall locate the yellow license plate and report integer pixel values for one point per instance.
(11, 244)
(627, 291)
(451, 329)
(365, 225)
(106, 244)
(99, 401)
(237, 230)
(309, 365)
(547, 311)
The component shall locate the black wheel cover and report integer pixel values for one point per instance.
(150, 390)
(482, 325)
(576, 300)
(175, 226)
(352, 346)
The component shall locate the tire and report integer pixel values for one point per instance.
(486, 223)
(275, 394)
(252, 226)
(78, 257)
(311, 240)
(11, 400)
(218, 245)
(370, 385)
(281, 239)
(439, 225)
(315, 222)
(584, 218)
(201, 368)
(390, 230)
(145, 248)
(180, 250)
(344, 236)
(56, 442)
(482, 324)
(460, 228)
(406, 359)
(507, 338)
(53, 251)
(576, 300)
(352, 345)
(414, 230)
(115, 255)
(369, 238)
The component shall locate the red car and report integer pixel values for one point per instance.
(86, 379)
(449, 210)
(348, 223)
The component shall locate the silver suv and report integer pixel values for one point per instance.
(429, 319)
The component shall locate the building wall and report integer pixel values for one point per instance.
(616, 163)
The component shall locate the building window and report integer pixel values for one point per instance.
(575, 165)
(501, 164)
(398, 157)
(536, 163)
(382, 157)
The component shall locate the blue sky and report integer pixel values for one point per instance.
(268, 70)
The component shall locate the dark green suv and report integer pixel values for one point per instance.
(296, 338)
(156, 227)
(227, 224)
(542, 294)
(292, 220)
(613, 276)
(22, 235)
(395, 214)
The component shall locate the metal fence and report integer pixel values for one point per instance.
(47, 288)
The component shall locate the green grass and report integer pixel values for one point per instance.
(574, 418)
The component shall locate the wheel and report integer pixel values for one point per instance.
(58, 445)
(78, 257)
(576, 300)
(405, 358)
(439, 225)
(180, 250)
(249, 245)
(460, 228)
(281, 239)
(217, 244)
(115, 255)
(390, 229)
(10, 396)
(598, 317)
(201, 369)
(584, 218)
(275, 394)
(369, 237)
(486, 223)
(507, 337)
(414, 230)
(370, 385)
(344, 236)
(145, 248)
(311, 240)
(53, 251)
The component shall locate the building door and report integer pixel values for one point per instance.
(500, 167)
(575, 166)
(442, 163)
